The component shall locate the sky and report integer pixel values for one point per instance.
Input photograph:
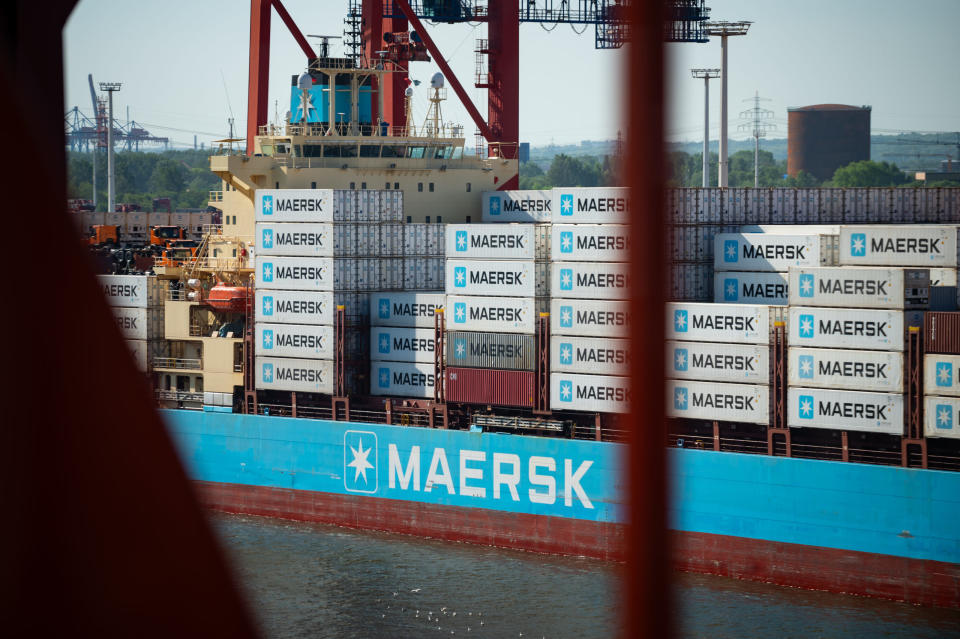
(183, 65)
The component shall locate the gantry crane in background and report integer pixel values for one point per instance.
(90, 134)
(390, 33)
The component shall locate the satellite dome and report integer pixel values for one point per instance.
(436, 82)
(408, 92)
(304, 82)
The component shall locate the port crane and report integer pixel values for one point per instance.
(392, 33)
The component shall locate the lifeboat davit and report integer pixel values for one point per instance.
(224, 297)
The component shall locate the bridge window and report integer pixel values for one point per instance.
(353, 186)
(370, 151)
(313, 185)
(387, 186)
(415, 152)
(468, 187)
(428, 219)
(363, 185)
(439, 219)
(420, 186)
(431, 187)
(468, 219)
(312, 150)
(396, 185)
(439, 152)
(393, 151)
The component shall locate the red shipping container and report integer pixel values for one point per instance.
(941, 330)
(490, 386)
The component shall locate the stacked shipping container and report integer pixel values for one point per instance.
(136, 302)
(402, 343)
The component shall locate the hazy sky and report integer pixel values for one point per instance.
(174, 58)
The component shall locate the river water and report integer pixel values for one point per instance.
(306, 580)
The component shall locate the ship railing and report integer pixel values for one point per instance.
(212, 229)
(423, 164)
(444, 130)
(177, 295)
(178, 363)
(179, 396)
(215, 196)
(210, 263)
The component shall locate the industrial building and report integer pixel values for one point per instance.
(824, 137)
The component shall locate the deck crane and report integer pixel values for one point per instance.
(385, 22)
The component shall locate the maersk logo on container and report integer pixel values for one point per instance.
(460, 312)
(383, 309)
(805, 367)
(494, 205)
(731, 289)
(460, 276)
(731, 251)
(383, 378)
(462, 241)
(566, 279)
(566, 391)
(383, 343)
(944, 374)
(566, 316)
(944, 417)
(807, 326)
(566, 205)
(681, 322)
(267, 272)
(267, 373)
(267, 238)
(680, 399)
(566, 241)
(459, 348)
(807, 285)
(681, 360)
(360, 467)
(858, 244)
(805, 407)
(268, 305)
(566, 353)
(267, 206)
(268, 339)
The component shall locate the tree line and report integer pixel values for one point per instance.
(182, 176)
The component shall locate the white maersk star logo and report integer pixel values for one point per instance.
(680, 399)
(384, 309)
(805, 407)
(494, 205)
(268, 339)
(806, 285)
(308, 104)
(806, 326)
(730, 251)
(267, 305)
(359, 458)
(384, 343)
(267, 238)
(858, 244)
(267, 206)
(460, 276)
(944, 417)
(461, 240)
(730, 290)
(460, 312)
(805, 364)
(383, 378)
(267, 272)
(566, 279)
(944, 374)
(566, 241)
(268, 373)
(566, 353)
(566, 205)
(566, 316)
(680, 359)
(680, 321)
(460, 348)
(566, 391)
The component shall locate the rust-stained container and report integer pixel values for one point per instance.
(490, 386)
(510, 351)
(942, 332)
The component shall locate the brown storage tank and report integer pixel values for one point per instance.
(824, 137)
(490, 386)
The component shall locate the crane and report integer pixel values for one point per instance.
(98, 117)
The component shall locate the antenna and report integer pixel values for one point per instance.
(760, 128)
(324, 43)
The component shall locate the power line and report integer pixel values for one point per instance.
(760, 126)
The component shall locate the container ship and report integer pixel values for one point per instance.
(371, 331)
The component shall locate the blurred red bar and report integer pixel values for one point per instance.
(647, 596)
(490, 386)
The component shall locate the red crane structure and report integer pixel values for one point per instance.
(384, 36)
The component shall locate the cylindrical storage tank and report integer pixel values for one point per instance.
(509, 351)
(490, 386)
(824, 137)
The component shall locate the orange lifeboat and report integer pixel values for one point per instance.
(224, 297)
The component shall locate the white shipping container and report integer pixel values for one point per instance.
(736, 323)
(493, 314)
(768, 252)
(291, 374)
(144, 352)
(295, 307)
(599, 205)
(589, 318)
(943, 277)
(293, 205)
(907, 245)
(941, 417)
(879, 371)
(295, 340)
(847, 287)
(750, 288)
(867, 329)
(401, 379)
(742, 363)
(941, 375)
(295, 273)
(590, 280)
(592, 243)
(402, 344)
(295, 239)
(158, 218)
(591, 355)
(491, 241)
(137, 291)
(139, 323)
(792, 229)
(495, 277)
(516, 206)
(405, 309)
(845, 410)
(715, 401)
(593, 393)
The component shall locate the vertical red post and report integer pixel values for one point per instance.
(372, 12)
(503, 103)
(259, 79)
(647, 593)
